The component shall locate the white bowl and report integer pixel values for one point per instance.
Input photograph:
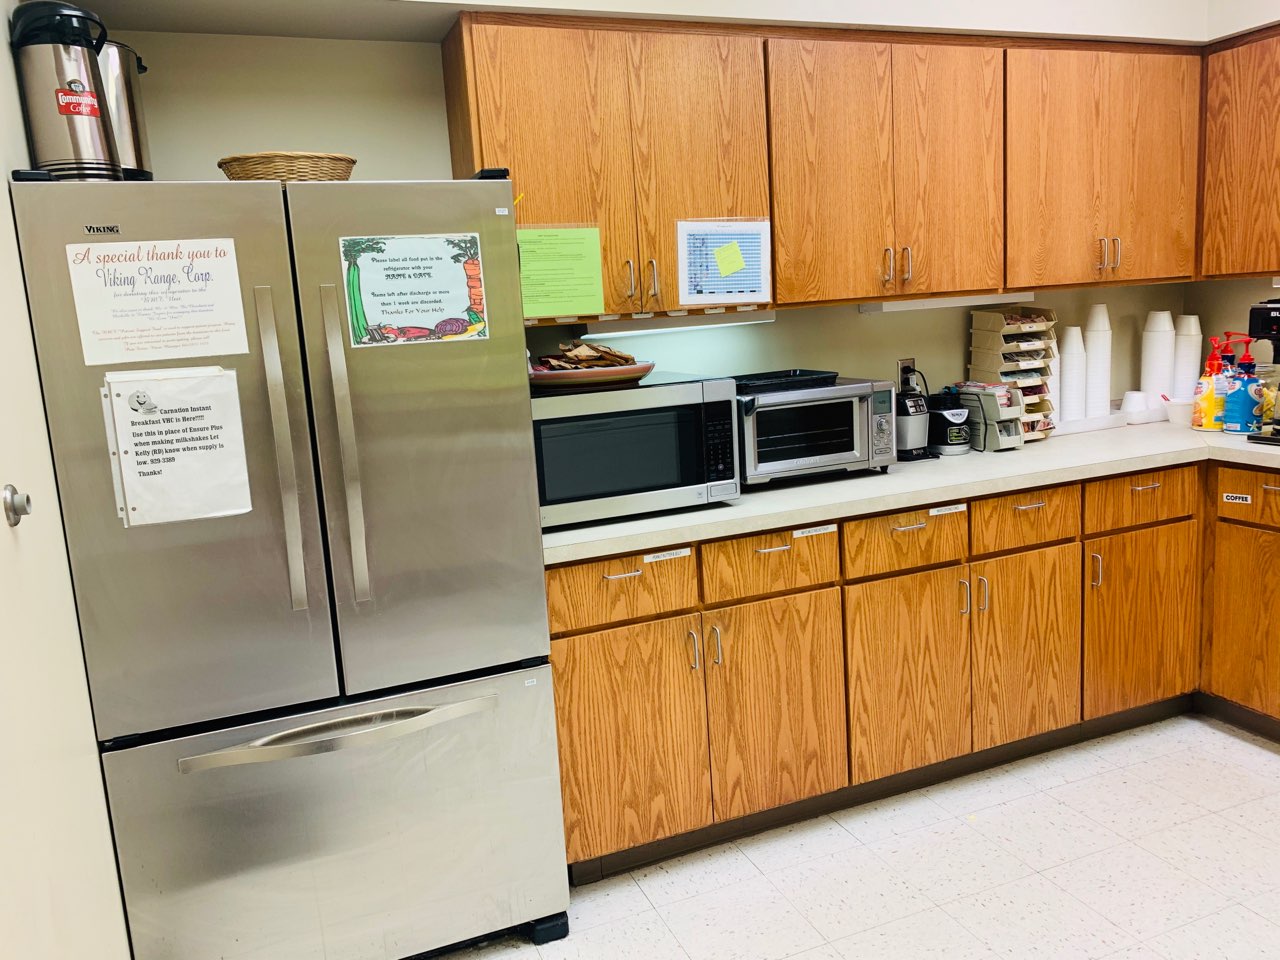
(1179, 411)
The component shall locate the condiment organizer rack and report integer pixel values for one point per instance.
(1017, 347)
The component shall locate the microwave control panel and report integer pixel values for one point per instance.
(719, 428)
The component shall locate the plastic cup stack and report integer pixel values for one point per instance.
(1072, 385)
(1158, 343)
(1097, 348)
(1187, 344)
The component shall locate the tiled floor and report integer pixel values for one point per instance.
(1161, 843)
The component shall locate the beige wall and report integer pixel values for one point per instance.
(1224, 305)
(210, 95)
(868, 344)
(59, 896)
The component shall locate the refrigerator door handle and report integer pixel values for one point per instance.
(278, 403)
(345, 733)
(346, 441)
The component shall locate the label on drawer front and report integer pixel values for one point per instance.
(1237, 498)
(950, 508)
(813, 531)
(667, 555)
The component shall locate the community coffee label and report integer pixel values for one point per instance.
(75, 100)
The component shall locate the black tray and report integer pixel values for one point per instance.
(776, 380)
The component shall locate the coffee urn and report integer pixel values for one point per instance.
(121, 66)
(56, 48)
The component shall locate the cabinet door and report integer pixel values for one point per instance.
(699, 142)
(1026, 644)
(831, 136)
(1056, 110)
(554, 107)
(632, 723)
(1244, 660)
(1141, 617)
(908, 661)
(775, 696)
(1242, 160)
(1152, 136)
(948, 164)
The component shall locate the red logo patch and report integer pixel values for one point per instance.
(77, 103)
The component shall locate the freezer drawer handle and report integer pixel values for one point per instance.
(345, 733)
(346, 441)
(278, 404)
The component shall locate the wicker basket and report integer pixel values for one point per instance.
(287, 165)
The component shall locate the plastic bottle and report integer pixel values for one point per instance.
(1242, 412)
(1211, 391)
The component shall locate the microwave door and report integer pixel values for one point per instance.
(782, 435)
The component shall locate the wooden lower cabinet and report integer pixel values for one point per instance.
(1141, 617)
(632, 723)
(775, 701)
(1244, 659)
(1026, 644)
(908, 663)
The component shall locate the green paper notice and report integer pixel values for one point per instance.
(729, 259)
(560, 272)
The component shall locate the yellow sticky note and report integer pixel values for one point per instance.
(729, 259)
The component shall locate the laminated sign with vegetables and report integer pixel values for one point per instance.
(414, 289)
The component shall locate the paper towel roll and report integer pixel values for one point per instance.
(1071, 386)
(1097, 348)
(1158, 344)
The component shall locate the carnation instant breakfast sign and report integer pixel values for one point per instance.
(157, 300)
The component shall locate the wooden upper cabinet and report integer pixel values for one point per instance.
(1153, 134)
(1056, 113)
(948, 165)
(1101, 166)
(553, 105)
(1242, 161)
(699, 143)
(831, 137)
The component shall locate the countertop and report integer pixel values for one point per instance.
(1081, 456)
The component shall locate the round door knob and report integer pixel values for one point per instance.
(16, 505)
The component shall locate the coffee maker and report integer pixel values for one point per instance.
(1264, 324)
(912, 414)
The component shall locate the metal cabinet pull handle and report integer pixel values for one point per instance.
(621, 576)
(1031, 506)
(282, 436)
(986, 595)
(785, 546)
(1106, 249)
(1272, 489)
(364, 730)
(719, 647)
(1097, 580)
(1149, 486)
(653, 267)
(888, 277)
(347, 452)
(906, 252)
(1116, 264)
(915, 526)
(631, 279)
(697, 659)
(968, 598)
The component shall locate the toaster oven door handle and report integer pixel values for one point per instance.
(801, 398)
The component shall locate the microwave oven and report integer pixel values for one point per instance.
(665, 443)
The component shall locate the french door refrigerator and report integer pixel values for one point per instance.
(292, 437)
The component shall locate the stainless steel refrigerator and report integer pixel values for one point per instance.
(315, 636)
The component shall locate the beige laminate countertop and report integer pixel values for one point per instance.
(1081, 456)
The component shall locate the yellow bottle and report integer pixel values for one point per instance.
(1211, 393)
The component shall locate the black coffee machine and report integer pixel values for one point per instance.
(1264, 324)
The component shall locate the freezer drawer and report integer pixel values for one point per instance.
(370, 832)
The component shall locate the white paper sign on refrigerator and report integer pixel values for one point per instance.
(176, 444)
(157, 300)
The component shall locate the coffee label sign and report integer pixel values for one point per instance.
(76, 101)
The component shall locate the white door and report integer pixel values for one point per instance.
(59, 895)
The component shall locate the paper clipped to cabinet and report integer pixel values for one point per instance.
(724, 262)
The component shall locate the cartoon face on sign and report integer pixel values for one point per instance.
(140, 402)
